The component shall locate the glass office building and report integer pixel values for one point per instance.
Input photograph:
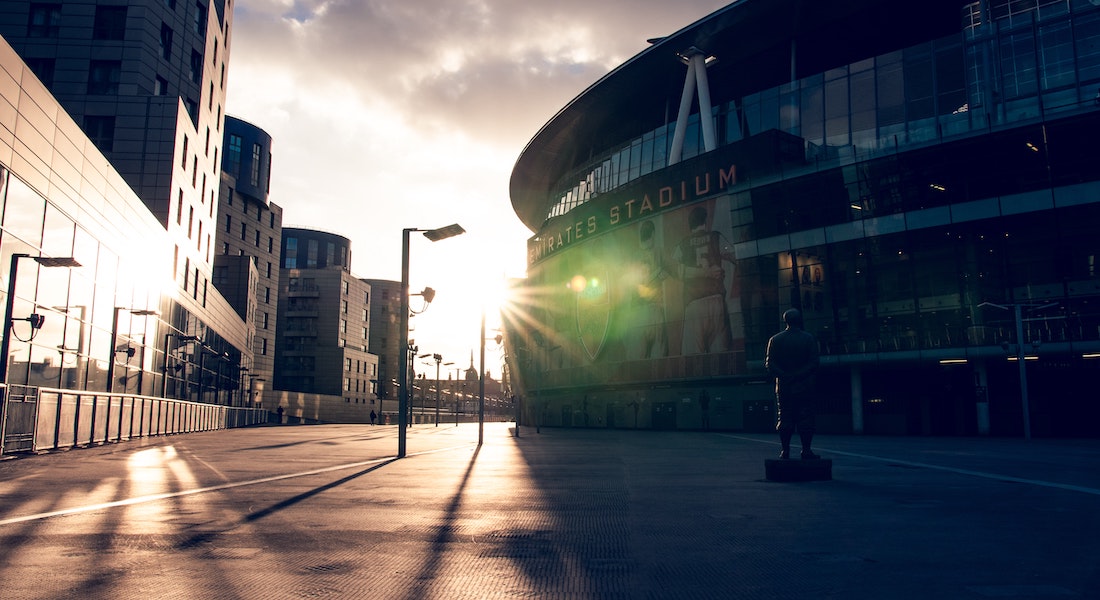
(920, 181)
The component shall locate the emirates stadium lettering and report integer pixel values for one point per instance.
(647, 204)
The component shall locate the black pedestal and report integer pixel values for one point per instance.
(794, 469)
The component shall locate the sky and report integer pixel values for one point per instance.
(393, 114)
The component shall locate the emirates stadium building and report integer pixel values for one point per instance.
(921, 180)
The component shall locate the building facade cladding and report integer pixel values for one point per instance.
(906, 196)
(250, 225)
(146, 80)
(60, 197)
(323, 331)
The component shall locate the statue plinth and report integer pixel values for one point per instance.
(794, 469)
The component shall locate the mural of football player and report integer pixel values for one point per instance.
(644, 283)
(699, 259)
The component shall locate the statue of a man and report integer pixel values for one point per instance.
(792, 358)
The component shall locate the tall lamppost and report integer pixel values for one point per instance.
(182, 339)
(1021, 361)
(137, 312)
(35, 320)
(438, 384)
(433, 235)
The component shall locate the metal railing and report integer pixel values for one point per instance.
(40, 419)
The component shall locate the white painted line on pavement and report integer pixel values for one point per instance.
(908, 463)
(214, 488)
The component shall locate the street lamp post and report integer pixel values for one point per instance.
(438, 360)
(182, 339)
(433, 235)
(438, 385)
(1021, 362)
(137, 312)
(481, 385)
(35, 321)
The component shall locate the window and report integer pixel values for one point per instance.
(233, 155)
(183, 155)
(101, 130)
(196, 66)
(166, 41)
(110, 23)
(170, 4)
(311, 254)
(200, 18)
(255, 177)
(103, 76)
(44, 20)
(228, 223)
(290, 256)
(43, 69)
(160, 86)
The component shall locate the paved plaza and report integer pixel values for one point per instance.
(327, 512)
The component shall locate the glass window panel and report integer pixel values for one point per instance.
(24, 212)
(890, 94)
(647, 154)
(660, 150)
(919, 83)
(751, 115)
(769, 109)
(733, 123)
(635, 159)
(1056, 55)
(950, 79)
(693, 140)
(58, 231)
(813, 113)
(1018, 65)
(789, 114)
(836, 112)
(863, 108)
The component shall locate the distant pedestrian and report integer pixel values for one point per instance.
(279, 414)
(792, 358)
(373, 417)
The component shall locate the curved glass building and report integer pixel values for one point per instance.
(922, 182)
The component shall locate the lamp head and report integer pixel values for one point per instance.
(444, 232)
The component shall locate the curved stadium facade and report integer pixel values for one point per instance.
(921, 180)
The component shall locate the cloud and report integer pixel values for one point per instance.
(497, 69)
(387, 111)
